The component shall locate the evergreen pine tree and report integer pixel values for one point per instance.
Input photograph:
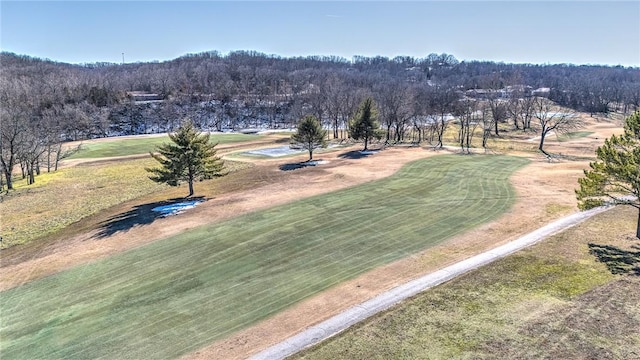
(614, 177)
(310, 135)
(189, 157)
(364, 125)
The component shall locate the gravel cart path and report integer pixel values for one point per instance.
(355, 314)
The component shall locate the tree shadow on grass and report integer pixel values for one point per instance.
(357, 154)
(300, 165)
(292, 166)
(617, 260)
(138, 215)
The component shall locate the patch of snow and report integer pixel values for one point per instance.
(315, 162)
(368, 152)
(553, 114)
(281, 151)
(176, 208)
(275, 151)
(270, 131)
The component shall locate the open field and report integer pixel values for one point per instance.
(553, 300)
(545, 191)
(211, 281)
(112, 147)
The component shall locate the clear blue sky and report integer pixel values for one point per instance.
(578, 32)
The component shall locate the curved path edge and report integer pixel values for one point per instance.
(357, 313)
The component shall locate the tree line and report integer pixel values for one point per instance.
(45, 103)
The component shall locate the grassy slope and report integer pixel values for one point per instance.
(573, 135)
(553, 300)
(77, 192)
(178, 294)
(122, 147)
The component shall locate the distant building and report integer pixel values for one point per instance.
(505, 93)
(521, 90)
(144, 96)
(482, 93)
(542, 92)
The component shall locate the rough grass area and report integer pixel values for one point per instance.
(61, 198)
(68, 195)
(574, 135)
(495, 144)
(181, 293)
(509, 140)
(551, 301)
(122, 147)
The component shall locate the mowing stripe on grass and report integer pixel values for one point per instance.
(178, 294)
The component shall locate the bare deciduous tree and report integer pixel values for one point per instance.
(466, 111)
(14, 120)
(499, 112)
(394, 104)
(442, 104)
(552, 118)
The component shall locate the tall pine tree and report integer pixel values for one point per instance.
(189, 157)
(614, 177)
(364, 125)
(310, 135)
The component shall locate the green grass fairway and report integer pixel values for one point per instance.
(181, 293)
(122, 147)
(550, 301)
